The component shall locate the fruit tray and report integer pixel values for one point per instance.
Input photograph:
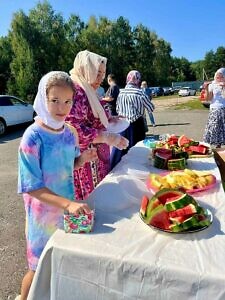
(152, 186)
(208, 215)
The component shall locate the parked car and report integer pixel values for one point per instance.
(157, 91)
(187, 91)
(204, 102)
(14, 111)
(168, 91)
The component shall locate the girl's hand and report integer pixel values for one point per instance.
(86, 156)
(78, 208)
(89, 155)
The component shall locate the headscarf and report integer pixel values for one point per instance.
(220, 71)
(84, 73)
(134, 78)
(40, 102)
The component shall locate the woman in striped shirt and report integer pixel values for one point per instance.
(131, 104)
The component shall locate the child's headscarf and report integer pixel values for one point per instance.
(134, 78)
(84, 72)
(40, 102)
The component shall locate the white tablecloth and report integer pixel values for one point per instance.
(125, 259)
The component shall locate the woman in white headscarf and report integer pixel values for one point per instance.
(215, 127)
(90, 119)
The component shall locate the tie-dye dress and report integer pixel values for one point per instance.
(45, 160)
(81, 117)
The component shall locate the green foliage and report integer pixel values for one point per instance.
(43, 41)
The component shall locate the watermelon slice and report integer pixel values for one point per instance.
(201, 149)
(160, 219)
(165, 153)
(184, 141)
(189, 209)
(165, 194)
(180, 219)
(144, 205)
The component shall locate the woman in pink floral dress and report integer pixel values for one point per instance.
(90, 119)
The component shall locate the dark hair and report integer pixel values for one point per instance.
(112, 77)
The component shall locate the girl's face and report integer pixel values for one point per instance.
(219, 77)
(100, 76)
(59, 102)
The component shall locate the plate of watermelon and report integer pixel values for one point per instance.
(191, 181)
(179, 144)
(174, 211)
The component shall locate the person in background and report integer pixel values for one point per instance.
(112, 94)
(215, 127)
(47, 155)
(131, 104)
(148, 92)
(100, 92)
(91, 120)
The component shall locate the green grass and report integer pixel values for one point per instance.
(192, 104)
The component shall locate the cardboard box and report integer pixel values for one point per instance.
(219, 155)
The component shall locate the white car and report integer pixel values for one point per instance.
(187, 91)
(14, 111)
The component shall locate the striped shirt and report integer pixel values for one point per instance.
(131, 103)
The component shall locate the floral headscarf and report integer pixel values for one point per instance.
(84, 72)
(134, 78)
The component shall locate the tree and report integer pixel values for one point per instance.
(145, 53)
(5, 59)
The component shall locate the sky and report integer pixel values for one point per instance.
(192, 27)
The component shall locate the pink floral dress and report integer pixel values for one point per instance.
(87, 126)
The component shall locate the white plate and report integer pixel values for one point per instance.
(119, 126)
(208, 215)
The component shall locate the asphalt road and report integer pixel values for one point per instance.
(12, 240)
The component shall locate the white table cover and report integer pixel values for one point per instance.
(125, 259)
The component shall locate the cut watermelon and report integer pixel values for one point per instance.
(166, 153)
(144, 205)
(179, 220)
(187, 224)
(184, 141)
(173, 210)
(189, 209)
(165, 194)
(179, 202)
(201, 149)
(160, 220)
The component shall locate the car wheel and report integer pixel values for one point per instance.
(2, 127)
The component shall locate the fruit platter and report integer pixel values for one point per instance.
(172, 152)
(190, 181)
(180, 144)
(174, 211)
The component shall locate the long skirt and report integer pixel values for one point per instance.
(215, 127)
(134, 133)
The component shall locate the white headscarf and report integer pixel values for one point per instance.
(220, 71)
(40, 102)
(84, 73)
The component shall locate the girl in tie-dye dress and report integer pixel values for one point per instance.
(48, 153)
